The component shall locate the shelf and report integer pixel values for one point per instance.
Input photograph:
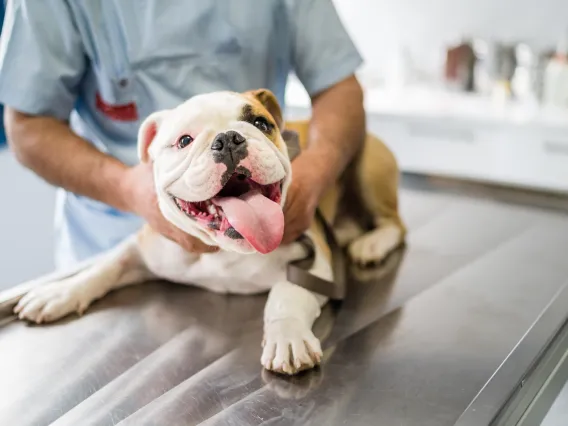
(465, 136)
(425, 102)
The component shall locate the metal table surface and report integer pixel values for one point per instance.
(416, 341)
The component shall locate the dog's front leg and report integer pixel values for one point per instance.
(289, 345)
(117, 268)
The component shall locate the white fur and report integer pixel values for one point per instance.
(289, 313)
(223, 272)
(118, 268)
(289, 344)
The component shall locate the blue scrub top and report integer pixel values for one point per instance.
(2, 132)
(106, 65)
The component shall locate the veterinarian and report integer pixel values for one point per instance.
(78, 77)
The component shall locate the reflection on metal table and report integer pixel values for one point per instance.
(446, 331)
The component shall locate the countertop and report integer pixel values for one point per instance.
(415, 343)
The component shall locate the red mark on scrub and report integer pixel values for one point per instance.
(125, 112)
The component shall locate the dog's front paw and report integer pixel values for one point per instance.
(289, 347)
(51, 302)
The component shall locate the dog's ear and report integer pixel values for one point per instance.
(147, 132)
(269, 101)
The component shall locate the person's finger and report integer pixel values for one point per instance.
(194, 245)
(188, 242)
(291, 234)
(200, 245)
(291, 238)
(210, 249)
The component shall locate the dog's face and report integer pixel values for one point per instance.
(221, 168)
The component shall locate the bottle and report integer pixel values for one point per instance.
(459, 66)
(555, 87)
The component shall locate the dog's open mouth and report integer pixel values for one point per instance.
(243, 209)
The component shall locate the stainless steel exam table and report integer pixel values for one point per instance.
(465, 325)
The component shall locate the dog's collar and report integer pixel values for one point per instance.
(298, 271)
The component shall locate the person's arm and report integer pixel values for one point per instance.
(52, 150)
(325, 60)
(337, 131)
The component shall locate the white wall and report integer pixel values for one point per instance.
(380, 27)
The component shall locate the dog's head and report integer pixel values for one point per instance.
(221, 168)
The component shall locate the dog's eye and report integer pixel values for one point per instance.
(184, 141)
(261, 124)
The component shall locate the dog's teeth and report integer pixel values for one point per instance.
(211, 209)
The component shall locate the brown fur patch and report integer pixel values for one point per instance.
(253, 111)
(263, 103)
(368, 189)
(268, 101)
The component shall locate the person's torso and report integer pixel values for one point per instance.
(147, 55)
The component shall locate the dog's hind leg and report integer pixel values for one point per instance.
(377, 178)
(117, 268)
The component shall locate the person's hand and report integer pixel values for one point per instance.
(141, 197)
(302, 198)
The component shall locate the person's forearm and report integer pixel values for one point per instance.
(337, 129)
(49, 147)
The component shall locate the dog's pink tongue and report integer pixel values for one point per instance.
(257, 218)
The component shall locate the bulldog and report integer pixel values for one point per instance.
(222, 169)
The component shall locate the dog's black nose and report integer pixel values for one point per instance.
(228, 140)
(229, 148)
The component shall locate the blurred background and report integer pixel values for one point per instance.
(473, 89)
